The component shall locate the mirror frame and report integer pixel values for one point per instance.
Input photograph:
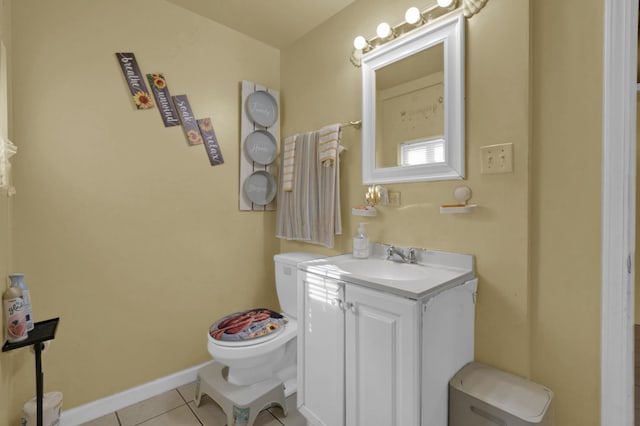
(448, 30)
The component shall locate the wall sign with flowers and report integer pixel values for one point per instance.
(163, 100)
(134, 78)
(174, 110)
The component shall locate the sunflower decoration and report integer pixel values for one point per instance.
(205, 125)
(194, 137)
(159, 82)
(142, 100)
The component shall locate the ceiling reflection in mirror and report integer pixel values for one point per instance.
(410, 110)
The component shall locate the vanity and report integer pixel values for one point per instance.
(378, 340)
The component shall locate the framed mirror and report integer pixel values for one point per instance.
(413, 105)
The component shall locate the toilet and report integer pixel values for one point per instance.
(272, 355)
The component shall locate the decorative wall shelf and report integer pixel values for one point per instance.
(457, 208)
(364, 211)
(462, 194)
(262, 115)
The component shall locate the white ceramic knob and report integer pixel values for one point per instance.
(462, 194)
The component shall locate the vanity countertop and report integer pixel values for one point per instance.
(434, 272)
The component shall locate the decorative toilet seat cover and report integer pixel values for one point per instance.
(247, 325)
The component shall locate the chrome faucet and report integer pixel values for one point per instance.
(397, 255)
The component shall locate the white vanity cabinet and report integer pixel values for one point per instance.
(321, 342)
(381, 358)
(369, 357)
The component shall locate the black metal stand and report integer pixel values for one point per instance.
(42, 331)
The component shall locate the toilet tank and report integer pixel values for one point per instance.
(286, 278)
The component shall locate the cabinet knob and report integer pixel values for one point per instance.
(348, 306)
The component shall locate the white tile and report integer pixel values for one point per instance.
(293, 418)
(188, 391)
(152, 407)
(265, 418)
(209, 412)
(108, 420)
(179, 416)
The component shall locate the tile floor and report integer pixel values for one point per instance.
(177, 407)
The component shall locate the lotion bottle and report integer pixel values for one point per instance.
(361, 243)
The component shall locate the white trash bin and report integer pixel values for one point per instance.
(480, 395)
(51, 406)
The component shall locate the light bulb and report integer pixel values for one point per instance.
(412, 15)
(445, 3)
(383, 30)
(360, 42)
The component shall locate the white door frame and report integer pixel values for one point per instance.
(618, 211)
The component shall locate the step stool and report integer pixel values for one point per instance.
(241, 404)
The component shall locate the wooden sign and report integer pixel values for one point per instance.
(163, 100)
(135, 80)
(189, 124)
(210, 141)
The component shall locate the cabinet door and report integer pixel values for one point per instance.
(382, 372)
(321, 351)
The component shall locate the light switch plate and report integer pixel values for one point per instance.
(497, 158)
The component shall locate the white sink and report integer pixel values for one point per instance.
(434, 270)
(384, 269)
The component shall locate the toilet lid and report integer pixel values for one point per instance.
(247, 325)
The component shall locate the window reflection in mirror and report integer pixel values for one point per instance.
(410, 110)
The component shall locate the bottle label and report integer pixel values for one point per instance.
(17, 281)
(26, 296)
(360, 248)
(15, 319)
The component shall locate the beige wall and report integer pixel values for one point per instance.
(6, 359)
(122, 229)
(566, 204)
(497, 111)
(532, 79)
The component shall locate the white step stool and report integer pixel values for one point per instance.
(241, 404)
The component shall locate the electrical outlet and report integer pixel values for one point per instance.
(497, 158)
(394, 198)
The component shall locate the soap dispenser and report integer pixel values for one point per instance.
(361, 243)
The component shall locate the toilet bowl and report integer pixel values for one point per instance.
(254, 360)
(273, 354)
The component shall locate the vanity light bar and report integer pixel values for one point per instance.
(384, 32)
(413, 16)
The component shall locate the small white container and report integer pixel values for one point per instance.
(51, 407)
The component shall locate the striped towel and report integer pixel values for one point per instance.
(311, 212)
(329, 143)
(288, 165)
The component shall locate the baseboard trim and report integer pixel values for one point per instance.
(101, 407)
